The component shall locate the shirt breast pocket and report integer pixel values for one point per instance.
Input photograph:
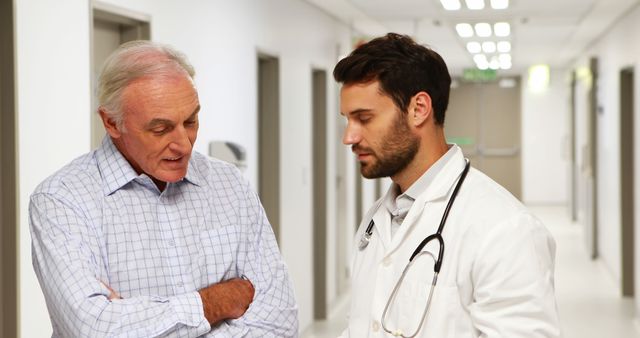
(219, 247)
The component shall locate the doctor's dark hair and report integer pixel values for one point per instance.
(403, 69)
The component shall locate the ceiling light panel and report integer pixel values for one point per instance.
(475, 4)
(483, 29)
(474, 47)
(499, 4)
(489, 47)
(465, 30)
(451, 5)
(504, 46)
(502, 29)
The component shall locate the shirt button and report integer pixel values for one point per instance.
(172, 242)
(386, 261)
(375, 326)
(180, 284)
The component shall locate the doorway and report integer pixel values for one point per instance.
(484, 120)
(627, 180)
(112, 27)
(319, 141)
(269, 138)
(8, 178)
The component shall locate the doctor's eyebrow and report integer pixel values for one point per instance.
(356, 112)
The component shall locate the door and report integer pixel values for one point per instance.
(8, 178)
(484, 120)
(111, 28)
(627, 180)
(269, 138)
(320, 231)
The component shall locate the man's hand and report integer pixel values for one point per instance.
(112, 293)
(226, 300)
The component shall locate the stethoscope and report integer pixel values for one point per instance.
(366, 238)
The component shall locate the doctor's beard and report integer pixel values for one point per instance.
(397, 149)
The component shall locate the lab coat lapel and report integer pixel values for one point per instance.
(382, 220)
(438, 191)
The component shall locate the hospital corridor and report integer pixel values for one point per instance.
(543, 99)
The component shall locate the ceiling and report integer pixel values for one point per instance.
(552, 32)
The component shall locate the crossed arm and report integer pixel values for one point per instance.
(69, 269)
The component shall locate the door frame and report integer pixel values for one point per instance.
(627, 184)
(134, 26)
(9, 305)
(268, 138)
(320, 226)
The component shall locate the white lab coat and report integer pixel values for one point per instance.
(496, 278)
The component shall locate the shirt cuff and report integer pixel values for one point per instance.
(189, 311)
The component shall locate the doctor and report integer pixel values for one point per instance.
(496, 260)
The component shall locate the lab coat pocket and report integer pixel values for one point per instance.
(446, 316)
(412, 291)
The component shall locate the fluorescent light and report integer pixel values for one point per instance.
(483, 29)
(505, 65)
(475, 4)
(504, 58)
(499, 4)
(474, 47)
(494, 64)
(489, 47)
(480, 58)
(538, 77)
(482, 65)
(451, 5)
(502, 29)
(504, 46)
(465, 30)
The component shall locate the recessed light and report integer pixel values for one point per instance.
(465, 30)
(502, 29)
(483, 29)
(499, 4)
(475, 4)
(474, 47)
(504, 46)
(451, 5)
(489, 47)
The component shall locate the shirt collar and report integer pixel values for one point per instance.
(393, 200)
(421, 185)
(117, 172)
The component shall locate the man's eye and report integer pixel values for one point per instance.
(364, 118)
(190, 123)
(160, 131)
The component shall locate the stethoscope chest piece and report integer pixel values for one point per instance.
(364, 241)
(366, 237)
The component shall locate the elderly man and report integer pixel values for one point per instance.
(143, 237)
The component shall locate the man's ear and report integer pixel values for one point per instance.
(420, 109)
(109, 125)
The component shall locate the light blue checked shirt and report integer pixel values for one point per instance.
(96, 221)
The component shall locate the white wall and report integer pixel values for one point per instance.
(617, 49)
(545, 137)
(222, 39)
(53, 88)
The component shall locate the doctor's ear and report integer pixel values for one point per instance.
(420, 108)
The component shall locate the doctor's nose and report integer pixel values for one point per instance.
(351, 135)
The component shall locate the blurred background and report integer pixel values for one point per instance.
(543, 101)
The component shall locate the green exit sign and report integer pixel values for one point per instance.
(479, 75)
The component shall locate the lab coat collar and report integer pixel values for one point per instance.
(439, 189)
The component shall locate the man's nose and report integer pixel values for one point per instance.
(180, 140)
(351, 134)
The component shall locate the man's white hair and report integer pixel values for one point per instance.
(131, 61)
